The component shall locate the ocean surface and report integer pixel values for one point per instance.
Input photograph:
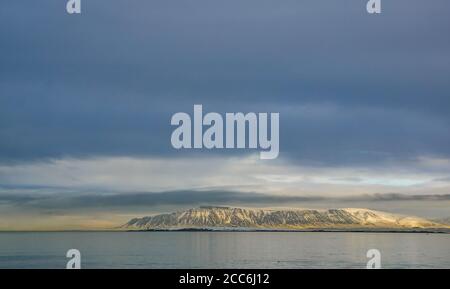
(223, 249)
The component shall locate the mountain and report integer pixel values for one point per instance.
(226, 218)
(445, 221)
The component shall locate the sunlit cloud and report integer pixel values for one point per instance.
(247, 174)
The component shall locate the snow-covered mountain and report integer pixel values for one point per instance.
(445, 221)
(210, 217)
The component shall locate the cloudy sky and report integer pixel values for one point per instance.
(86, 102)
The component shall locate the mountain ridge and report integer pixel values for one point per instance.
(226, 218)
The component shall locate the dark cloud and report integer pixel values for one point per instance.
(350, 87)
(102, 201)
(67, 202)
(396, 197)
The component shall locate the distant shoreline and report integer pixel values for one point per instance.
(206, 230)
(422, 231)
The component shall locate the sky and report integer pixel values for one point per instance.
(86, 102)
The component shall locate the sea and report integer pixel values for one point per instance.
(223, 249)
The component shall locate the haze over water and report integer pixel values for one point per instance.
(223, 249)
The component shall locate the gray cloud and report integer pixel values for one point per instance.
(67, 202)
(350, 88)
(445, 179)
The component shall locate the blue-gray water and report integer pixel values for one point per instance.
(223, 249)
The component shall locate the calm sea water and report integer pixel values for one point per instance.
(223, 249)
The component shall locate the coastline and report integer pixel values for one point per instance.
(181, 230)
(384, 230)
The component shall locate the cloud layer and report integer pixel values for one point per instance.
(105, 202)
(350, 88)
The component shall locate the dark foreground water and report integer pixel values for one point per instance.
(223, 249)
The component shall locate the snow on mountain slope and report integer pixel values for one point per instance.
(228, 217)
